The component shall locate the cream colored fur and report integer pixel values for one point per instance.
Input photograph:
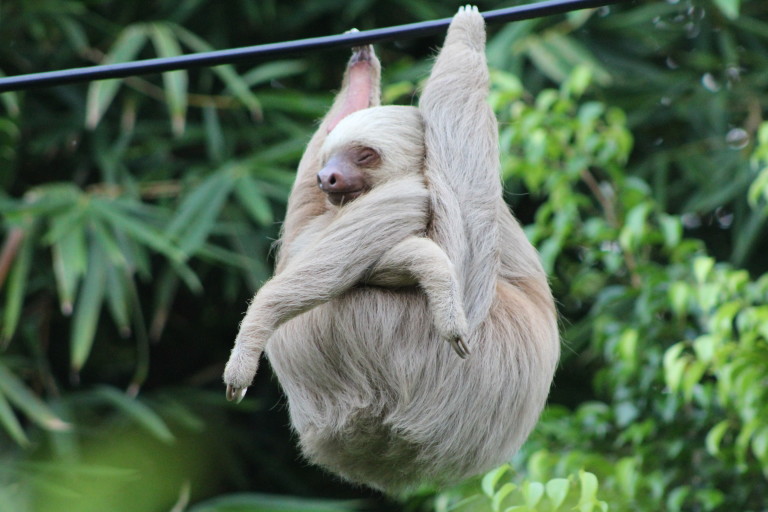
(375, 394)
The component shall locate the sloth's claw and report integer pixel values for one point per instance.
(460, 347)
(235, 394)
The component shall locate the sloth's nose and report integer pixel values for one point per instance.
(331, 180)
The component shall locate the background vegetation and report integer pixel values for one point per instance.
(138, 217)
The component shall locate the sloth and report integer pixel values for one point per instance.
(397, 240)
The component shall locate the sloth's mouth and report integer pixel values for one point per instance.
(342, 198)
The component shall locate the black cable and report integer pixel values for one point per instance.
(215, 58)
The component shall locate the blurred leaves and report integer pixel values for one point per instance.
(269, 503)
(138, 215)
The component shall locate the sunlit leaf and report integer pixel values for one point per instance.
(729, 7)
(491, 479)
(10, 423)
(503, 492)
(557, 490)
(702, 267)
(532, 493)
(715, 437)
(27, 402)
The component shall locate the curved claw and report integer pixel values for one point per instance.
(235, 394)
(460, 347)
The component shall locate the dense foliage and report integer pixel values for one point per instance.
(138, 217)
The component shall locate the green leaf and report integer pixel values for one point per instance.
(557, 490)
(489, 481)
(627, 476)
(704, 346)
(702, 267)
(11, 424)
(175, 82)
(118, 298)
(679, 297)
(672, 229)
(715, 436)
(252, 502)
(674, 366)
(628, 346)
(729, 7)
(557, 55)
(760, 445)
(121, 221)
(253, 200)
(137, 411)
(502, 493)
(197, 213)
(23, 399)
(17, 281)
(274, 70)
(588, 487)
(634, 228)
(532, 493)
(87, 309)
(70, 260)
(692, 376)
(214, 136)
(226, 73)
(102, 92)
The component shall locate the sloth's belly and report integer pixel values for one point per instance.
(378, 397)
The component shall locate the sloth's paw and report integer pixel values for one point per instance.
(239, 373)
(468, 26)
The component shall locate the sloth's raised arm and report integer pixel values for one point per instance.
(462, 162)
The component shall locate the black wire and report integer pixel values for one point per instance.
(215, 58)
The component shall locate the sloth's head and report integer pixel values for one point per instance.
(369, 147)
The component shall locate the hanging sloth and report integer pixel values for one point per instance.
(409, 320)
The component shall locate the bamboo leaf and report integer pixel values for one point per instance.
(138, 411)
(23, 399)
(141, 231)
(102, 92)
(87, 309)
(198, 211)
(175, 82)
(214, 136)
(118, 298)
(165, 292)
(17, 284)
(729, 7)
(10, 423)
(226, 73)
(70, 259)
(275, 70)
(254, 201)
